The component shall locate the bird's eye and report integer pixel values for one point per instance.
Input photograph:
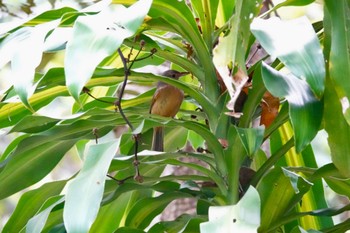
(174, 76)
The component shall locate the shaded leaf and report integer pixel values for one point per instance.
(29, 204)
(26, 167)
(34, 124)
(337, 41)
(338, 130)
(251, 138)
(144, 211)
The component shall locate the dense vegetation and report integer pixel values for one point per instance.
(237, 97)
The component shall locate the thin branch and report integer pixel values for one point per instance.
(117, 103)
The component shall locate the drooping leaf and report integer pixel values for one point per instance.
(337, 41)
(305, 110)
(37, 223)
(242, 217)
(34, 124)
(102, 34)
(338, 130)
(184, 223)
(27, 166)
(143, 212)
(29, 203)
(302, 55)
(24, 48)
(85, 191)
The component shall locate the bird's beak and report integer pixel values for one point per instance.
(183, 74)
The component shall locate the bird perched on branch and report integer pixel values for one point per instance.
(166, 102)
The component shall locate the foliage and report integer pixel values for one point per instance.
(304, 90)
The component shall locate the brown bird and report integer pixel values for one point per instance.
(166, 102)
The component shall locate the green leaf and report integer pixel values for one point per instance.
(242, 217)
(84, 192)
(251, 138)
(102, 34)
(145, 210)
(338, 130)
(206, 11)
(337, 41)
(305, 110)
(274, 188)
(302, 55)
(37, 223)
(184, 223)
(178, 15)
(34, 124)
(28, 165)
(29, 204)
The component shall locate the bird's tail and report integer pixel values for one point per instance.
(158, 136)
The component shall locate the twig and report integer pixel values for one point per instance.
(119, 181)
(117, 103)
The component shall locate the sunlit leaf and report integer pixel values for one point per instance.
(305, 110)
(37, 223)
(24, 48)
(102, 34)
(302, 55)
(242, 217)
(84, 192)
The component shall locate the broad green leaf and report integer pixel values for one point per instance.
(102, 34)
(34, 124)
(129, 230)
(305, 110)
(337, 41)
(27, 165)
(340, 186)
(37, 223)
(145, 210)
(338, 130)
(274, 188)
(84, 192)
(29, 203)
(302, 55)
(184, 223)
(242, 217)
(251, 138)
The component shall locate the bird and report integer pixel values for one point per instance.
(166, 102)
